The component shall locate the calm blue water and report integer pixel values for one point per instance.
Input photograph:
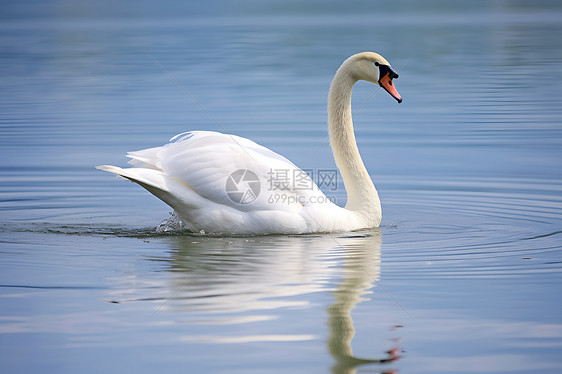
(463, 276)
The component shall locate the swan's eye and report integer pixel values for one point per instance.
(385, 69)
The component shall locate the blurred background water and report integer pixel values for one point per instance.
(463, 276)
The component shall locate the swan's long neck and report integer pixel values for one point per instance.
(362, 197)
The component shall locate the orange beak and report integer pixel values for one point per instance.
(386, 83)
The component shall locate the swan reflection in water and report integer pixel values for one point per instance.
(238, 280)
(361, 268)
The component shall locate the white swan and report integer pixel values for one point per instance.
(223, 183)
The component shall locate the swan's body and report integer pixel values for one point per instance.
(227, 184)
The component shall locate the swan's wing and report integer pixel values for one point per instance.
(231, 171)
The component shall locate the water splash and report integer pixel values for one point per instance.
(172, 224)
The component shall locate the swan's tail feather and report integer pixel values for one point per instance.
(142, 176)
(146, 158)
(183, 198)
(110, 169)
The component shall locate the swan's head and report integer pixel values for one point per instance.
(374, 68)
